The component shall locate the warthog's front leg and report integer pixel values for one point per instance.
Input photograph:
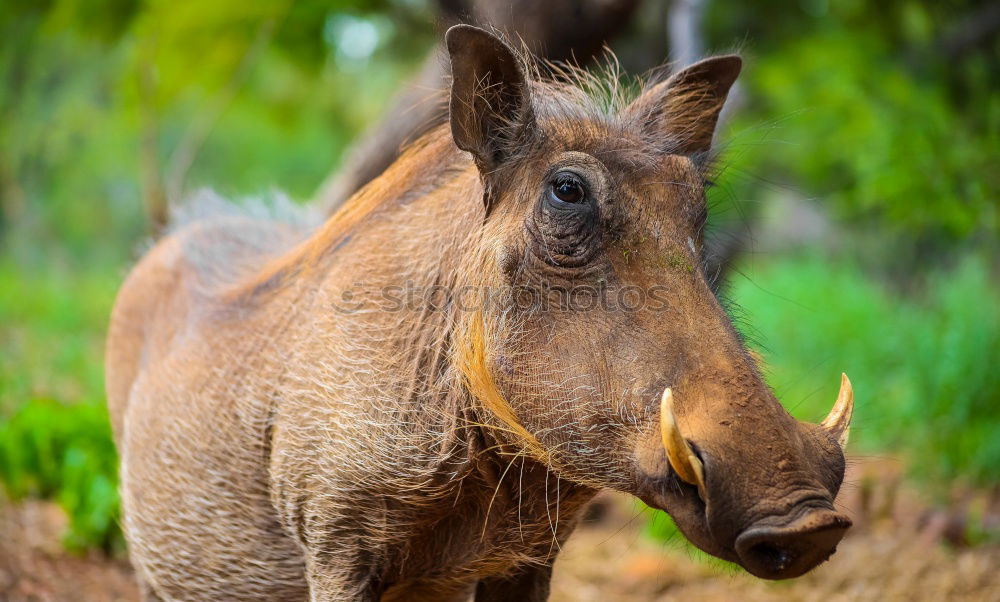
(529, 584)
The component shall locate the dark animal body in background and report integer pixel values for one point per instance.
(284, 435)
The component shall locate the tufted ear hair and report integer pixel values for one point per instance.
(490, 97)
(685, 108)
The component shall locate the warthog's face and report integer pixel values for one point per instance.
(611, 357)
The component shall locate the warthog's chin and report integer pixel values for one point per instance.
(660, 488)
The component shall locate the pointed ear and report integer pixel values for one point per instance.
(490, 99)
(685, 108)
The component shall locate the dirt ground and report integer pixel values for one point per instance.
(898, 550)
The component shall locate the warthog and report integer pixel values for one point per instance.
(416, 400)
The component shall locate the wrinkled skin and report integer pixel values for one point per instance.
(286, 434)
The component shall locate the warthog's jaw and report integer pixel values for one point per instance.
(782, 545)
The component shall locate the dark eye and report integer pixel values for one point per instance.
(568, 188)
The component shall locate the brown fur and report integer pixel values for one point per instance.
(276, 447)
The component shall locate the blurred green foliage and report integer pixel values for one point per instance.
(886, 115)
(102, 103)
(921, 364)
(932, 178)
(55, 439)
(887, 112)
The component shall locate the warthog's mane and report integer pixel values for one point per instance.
(603, 106)
(226, 241)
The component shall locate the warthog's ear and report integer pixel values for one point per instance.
(685, 108)
(490, 99)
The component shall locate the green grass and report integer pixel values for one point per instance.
(64, 452)
(55, 439)
(52, 322)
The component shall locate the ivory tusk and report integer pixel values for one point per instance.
(682, 458)
(838, 422)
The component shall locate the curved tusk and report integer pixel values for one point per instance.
(682, 458)
(838, 422)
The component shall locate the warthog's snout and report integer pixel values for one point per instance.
(791, 550)
(760, 497)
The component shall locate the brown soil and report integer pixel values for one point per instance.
(898, 550)
(881, 565)
(35, 567)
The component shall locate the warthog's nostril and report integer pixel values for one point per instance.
(791, 550)
(772, 556)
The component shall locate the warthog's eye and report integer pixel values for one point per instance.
(567, 188)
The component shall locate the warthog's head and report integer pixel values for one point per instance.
(607, 355)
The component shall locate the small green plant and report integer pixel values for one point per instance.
(55, 438)
(65, 452)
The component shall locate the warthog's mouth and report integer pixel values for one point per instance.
(772, 548)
